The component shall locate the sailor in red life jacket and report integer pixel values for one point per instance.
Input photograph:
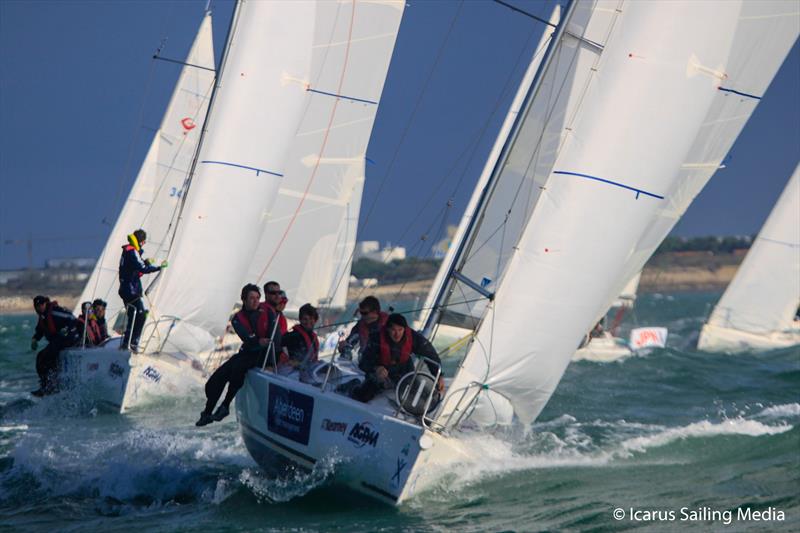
(301, 344)
(98, 320)
(372, 319)
(59, 327)
(260, 335)
(88, 334)
(387, 357)
(275, 301)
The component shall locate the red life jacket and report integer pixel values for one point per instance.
(91, 333)
(47, 321)
(315, 354)
(386, 350)
(94, 333)
(363, 328)
(261, 326)
(283, 326)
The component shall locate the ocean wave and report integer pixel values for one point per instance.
(781, 411)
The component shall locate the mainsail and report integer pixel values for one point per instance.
(764, 295)
(309, 239)
(255, 111)
(558, 233)
(155, 197)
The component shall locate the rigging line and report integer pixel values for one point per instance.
(184, 63)
(322, 148)
(417, 104)
(523, 12)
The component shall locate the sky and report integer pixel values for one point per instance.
(81, 96)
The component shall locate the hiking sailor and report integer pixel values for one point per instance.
(372, 319)
(259, 333)
(59, 327)
(387, 357)
(99, 319)
(273, 298)
(301, 344)
(131, 268)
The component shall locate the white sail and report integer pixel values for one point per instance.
(309, 239)
(502, 136)
(764, 295)
(256, 109)
(628, 295)
(765, 32)
(654, 83)
(155, 196)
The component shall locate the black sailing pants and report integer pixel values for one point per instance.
(47, 367)
(133, 327)
(231, 372)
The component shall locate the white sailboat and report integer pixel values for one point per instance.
(255, 109)
(155, 196)
(617, 103)
(757, 310)
(310, 233)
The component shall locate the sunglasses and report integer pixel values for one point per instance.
(274, 292)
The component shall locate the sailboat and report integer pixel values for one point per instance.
(758, 309)
(594, 154)
(255, 108)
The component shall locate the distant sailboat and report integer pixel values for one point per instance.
(593, 155)
(758, 309)
(255, 110)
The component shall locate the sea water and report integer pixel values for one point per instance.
(672, 440)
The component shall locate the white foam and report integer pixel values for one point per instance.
(781, 411)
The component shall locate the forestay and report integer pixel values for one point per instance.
(765, 32)
(310, 235)
(633, 126)
(155, 196)
(764, 295)
(254, 114)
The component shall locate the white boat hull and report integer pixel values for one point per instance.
(719, 339)
(603, 349)
(121, 380)
(286, 424)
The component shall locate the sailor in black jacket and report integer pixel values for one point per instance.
(387, 357)
(59, 327)
(256, 327)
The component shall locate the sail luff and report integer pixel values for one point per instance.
(156, 191)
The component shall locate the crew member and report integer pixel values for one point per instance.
(372, 319)
(131, 268)
(59, 327)
(87, 333)
(99, 315)
(301, 344)
(257, 329)
(387, 357)
(275, 298)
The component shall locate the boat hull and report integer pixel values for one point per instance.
(603, 349)
(287, 424)
(121, 380)
(718, 339)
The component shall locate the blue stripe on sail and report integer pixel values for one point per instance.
(723, 89)
(341, 96)
(258, 170)
(616, 184)
(782, 243)
(370, 161)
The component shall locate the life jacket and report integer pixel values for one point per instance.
(261, 326)
(283, 326)
(132, 248)
(47, 320)
(94, 333)
(363, 328)
(315, 354)
(386, 350)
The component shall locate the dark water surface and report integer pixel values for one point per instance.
(674, 429)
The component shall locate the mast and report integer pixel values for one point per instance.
(468, 235)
